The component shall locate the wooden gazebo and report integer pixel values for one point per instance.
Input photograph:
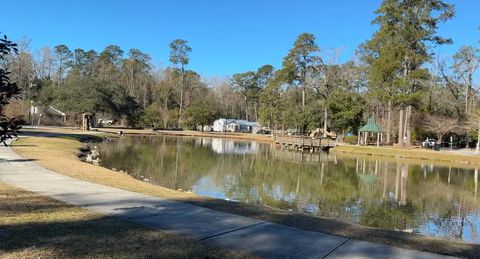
(86, 121)
(371, 128)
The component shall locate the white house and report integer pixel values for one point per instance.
(231, 125)
(220, 125)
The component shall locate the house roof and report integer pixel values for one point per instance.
(371, 126)
(238, 122)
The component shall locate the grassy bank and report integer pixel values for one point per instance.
(414, 154)
(60, 155)
(35, 226)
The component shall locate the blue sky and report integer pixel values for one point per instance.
(226, 36)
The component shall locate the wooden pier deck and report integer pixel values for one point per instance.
(305, 143)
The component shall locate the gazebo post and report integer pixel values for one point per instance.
(366, 138)
(378, 139)
(359, 136)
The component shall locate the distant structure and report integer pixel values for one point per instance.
(231, 125)
(370, 129)
(53, 110)
(87, 119)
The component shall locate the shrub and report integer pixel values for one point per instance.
(350, 140)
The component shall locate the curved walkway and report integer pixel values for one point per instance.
(228, 230)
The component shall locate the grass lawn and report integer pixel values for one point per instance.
(416, 155)
(35, 226)
(60, 155)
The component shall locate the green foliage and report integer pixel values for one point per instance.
(352, 140)
(179, 52)
(401, 46)
(8, 90)
(264, 75)
(201, 113)
(93, 96)
(271, 104)
(347, 110)
(246, 84)
(300, 59)
(151, 116)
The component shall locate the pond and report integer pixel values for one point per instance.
(392, 194)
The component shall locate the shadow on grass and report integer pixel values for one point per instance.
(33, 226)
(3, 160)
(22, 145)
(102, 237)
(79, 137)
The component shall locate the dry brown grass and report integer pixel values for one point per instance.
(35, 226)
(59, 155)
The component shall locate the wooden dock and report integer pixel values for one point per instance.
(305, 143)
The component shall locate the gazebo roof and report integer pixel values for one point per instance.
(371, 126)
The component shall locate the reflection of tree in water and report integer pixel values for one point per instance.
(422, 198)
(162, 160)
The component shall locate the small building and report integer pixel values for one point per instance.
(220, 125)
(232, 125)
(370, 129)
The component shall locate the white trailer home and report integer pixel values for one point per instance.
(231, 125)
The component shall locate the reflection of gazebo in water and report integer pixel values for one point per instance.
(371, 128)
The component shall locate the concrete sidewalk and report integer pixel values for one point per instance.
(228, 230)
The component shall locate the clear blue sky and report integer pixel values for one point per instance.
(226, 36)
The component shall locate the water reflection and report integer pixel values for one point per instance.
(222, 146)
(421, 198)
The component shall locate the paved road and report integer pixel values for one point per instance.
(228, 230)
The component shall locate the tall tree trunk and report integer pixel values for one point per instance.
(467, 91)
(400, 127)
(246, 109)
(389, 121)
(408, 126)
(477, 150)
(472, 103)
(303, 97)
(144, 97)
(181, 96)
(164, 117)
(325, 115)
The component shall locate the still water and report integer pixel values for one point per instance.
(423, 198)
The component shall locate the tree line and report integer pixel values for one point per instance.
(394, 75)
